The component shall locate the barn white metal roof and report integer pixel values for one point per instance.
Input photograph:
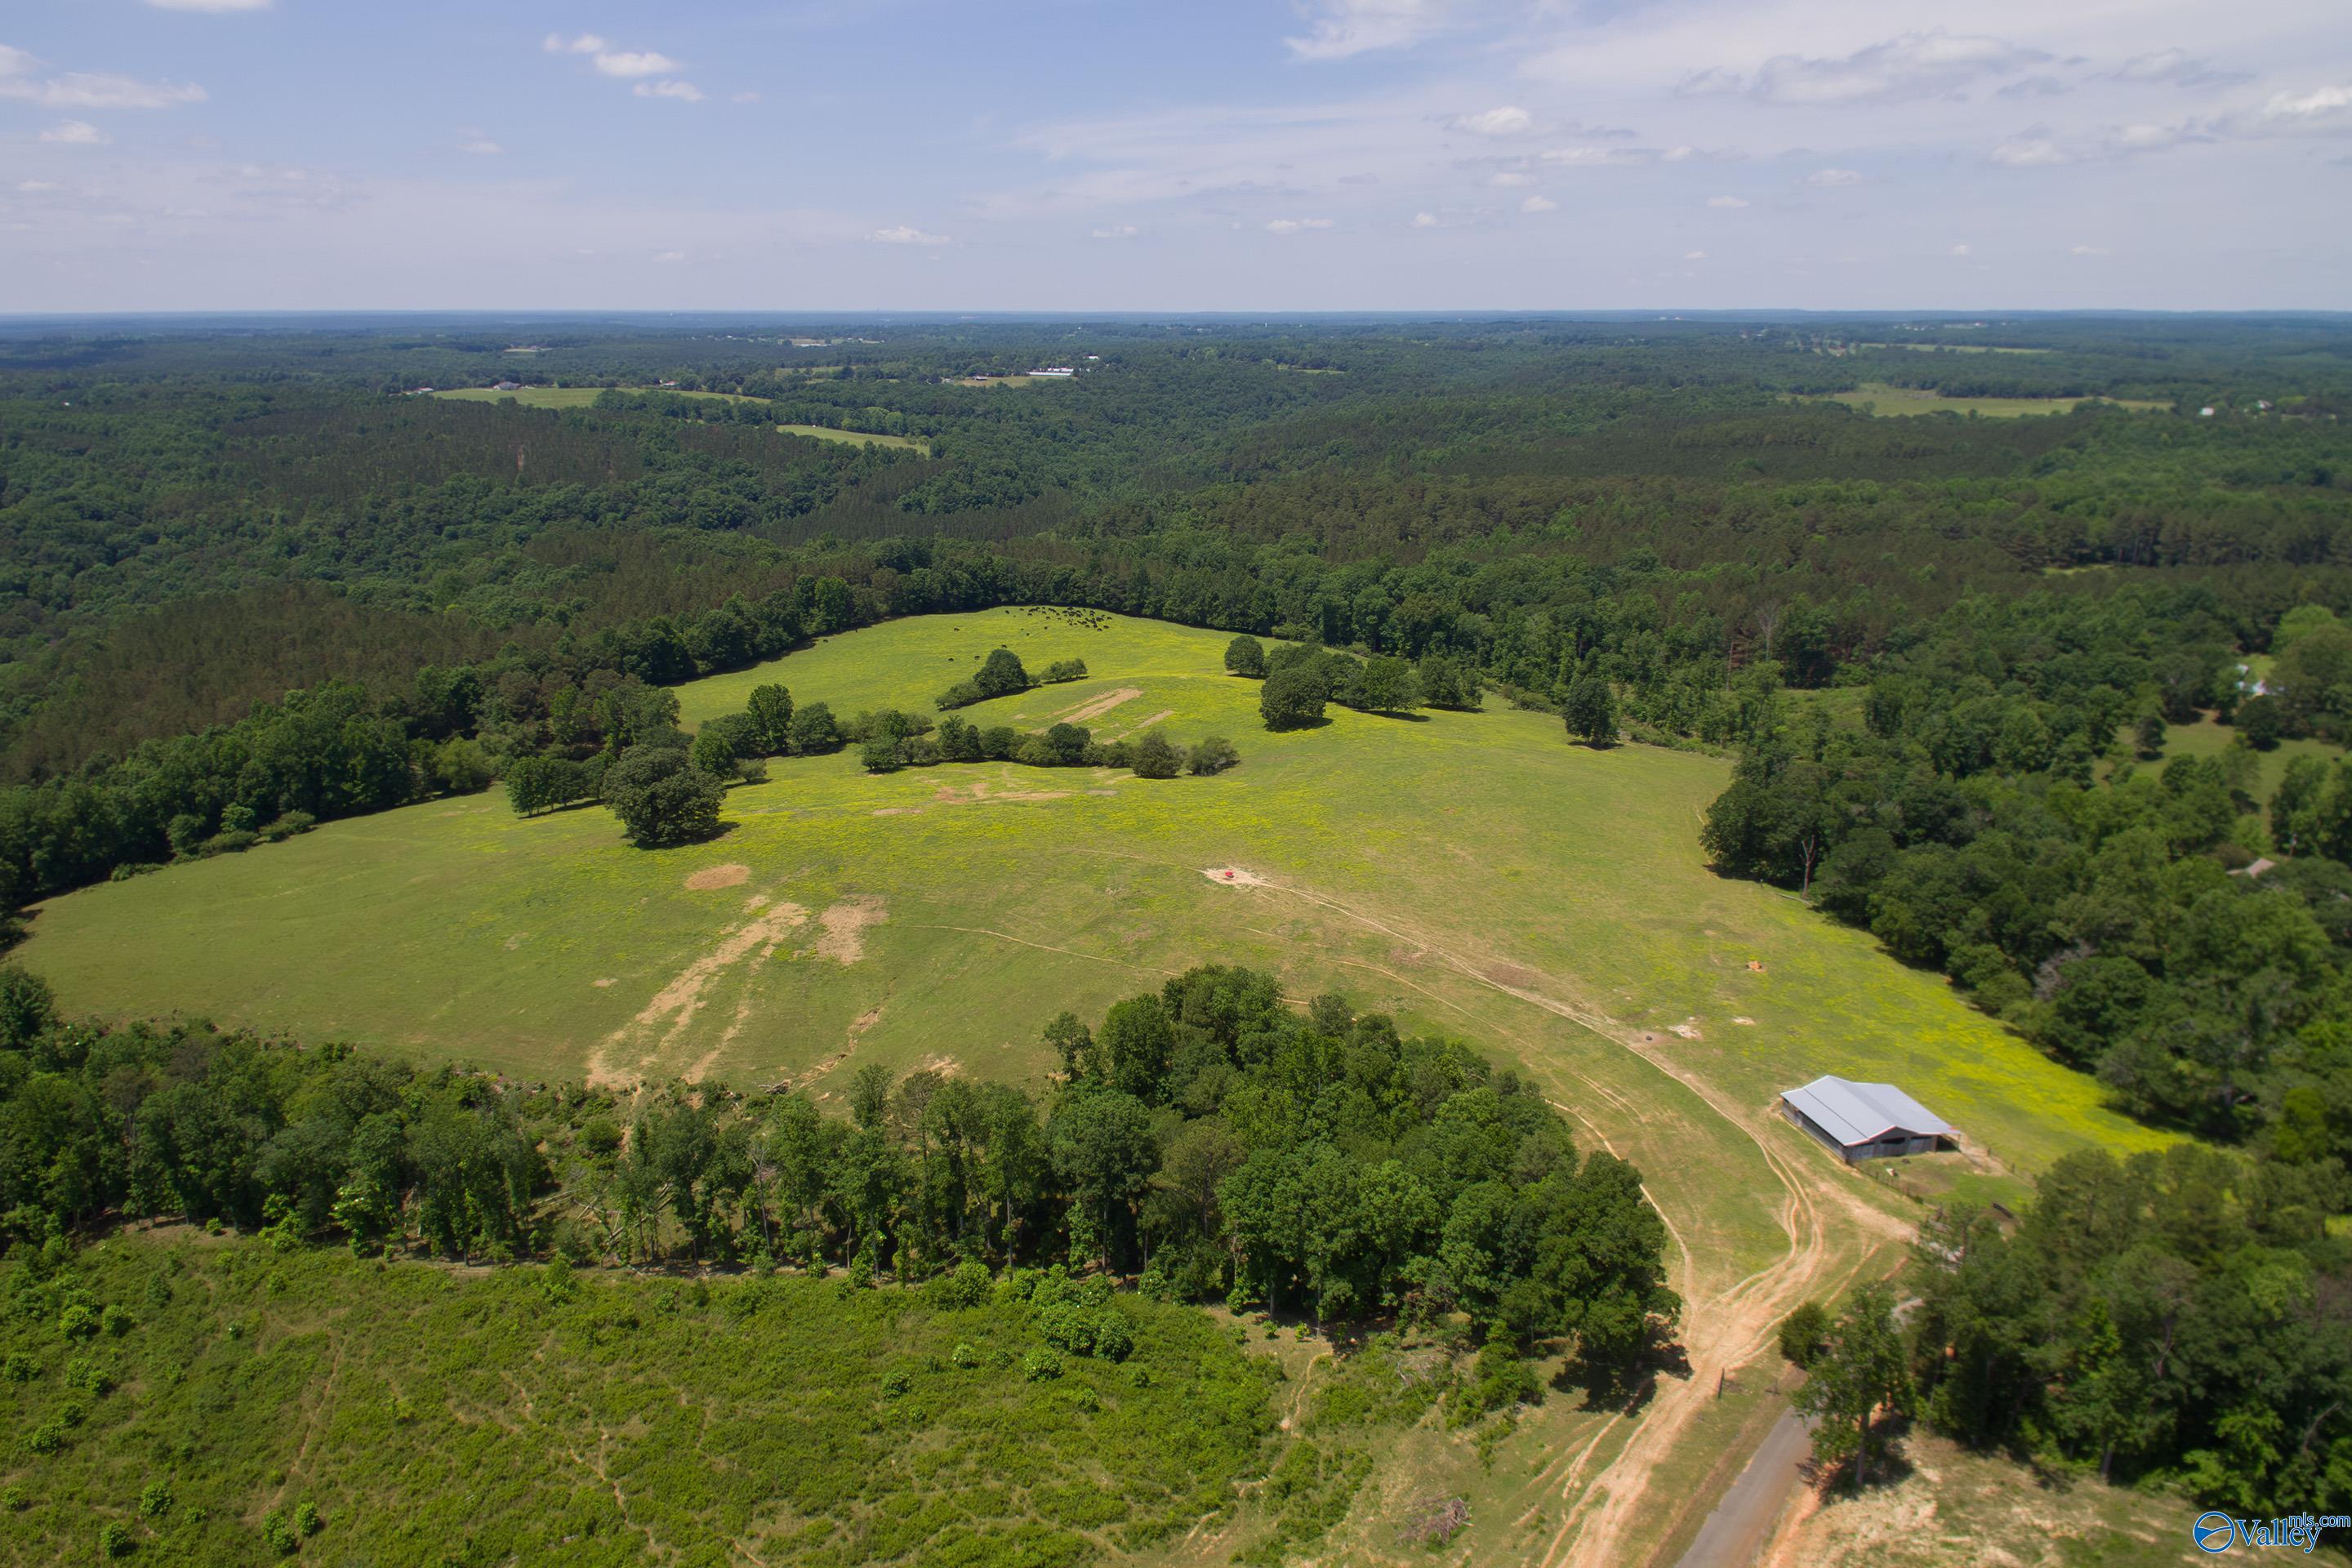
(1864, 1113)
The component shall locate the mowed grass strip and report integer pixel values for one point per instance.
(572, 396)
(857, 437)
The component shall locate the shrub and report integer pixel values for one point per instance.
(113, 1539)
(1246, 655)
(963, 694)
(155, 1499)
(20, 1367)
(814, 731)
(1156, 759)
(116, 1321)
(78, 1322)
(298, 822)
(967, 1285)
(883, 754)
(1213, 754)
(898, 1383)
(1063, 669)
(89, 1375)
(279, 1535)
(964, 1356)
(306, 1519)
(1041, 1365)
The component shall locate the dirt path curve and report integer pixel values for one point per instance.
(1723, 1332)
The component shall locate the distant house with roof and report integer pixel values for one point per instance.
(1866, 1120)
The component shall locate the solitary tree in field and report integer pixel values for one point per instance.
(1246, 655)
(1001, 674)
(1291, 696)
(1592, 712)
(661, 797)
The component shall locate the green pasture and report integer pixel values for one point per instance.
(856, 437)
(1473, 871)
(1878, 398)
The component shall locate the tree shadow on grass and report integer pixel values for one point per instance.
(1623, 1386)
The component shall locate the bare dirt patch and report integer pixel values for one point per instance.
(898, 810)
(1512, 975)
(1095, 707)
(674, 1007)
(1687, 1029)
(1133, 729)
(844, 924)
(711, 877)
(1232, 876)
(602, 984)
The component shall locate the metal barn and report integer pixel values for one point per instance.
(1866, 1120)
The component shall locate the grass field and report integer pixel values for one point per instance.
(1473, 873)
(1878, 398)
(856, 437)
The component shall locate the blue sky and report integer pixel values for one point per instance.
(1091, 155)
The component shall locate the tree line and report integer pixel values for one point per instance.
(2183, 1319)
(1207, 1141)
(1970, 816)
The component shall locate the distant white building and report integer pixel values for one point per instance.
(1054, 369)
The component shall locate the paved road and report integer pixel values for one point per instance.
(1735, 1532)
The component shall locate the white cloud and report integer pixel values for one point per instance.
(1345, 28)
(585, 44)
(1423, 220)
(1539, 205)
(1506, 178)
(906, 234)
(633, 63)
(19, 78)
(1117, 231)
(1595, 157)
(1293, 225)
(1827, 177)
(479, 146)
(2322, 108)
(75, 134)
(2176, 68)
(1694, 256)
(1960, 250)
(745, 98)
(1508, 121)
(36, 187)
(1933, 64)
(215, 6)
(1727, 201)
(669, 256)
(684, 92)
(2033, 149)
(2085, 251)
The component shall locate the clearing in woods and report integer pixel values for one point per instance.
(1878, 398)
(1471, 873)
